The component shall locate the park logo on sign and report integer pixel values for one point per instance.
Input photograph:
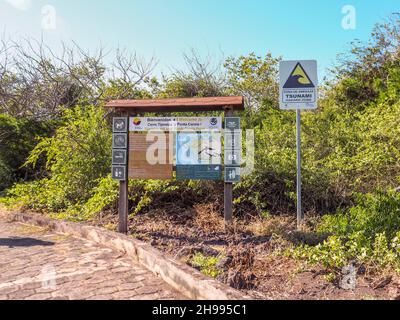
(214, 122)
(298, 85)
(137, 121)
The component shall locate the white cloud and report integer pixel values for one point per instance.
(22, 5)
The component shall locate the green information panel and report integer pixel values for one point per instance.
(199, 172)
(119, 173)
(232, 175)
(232, 123)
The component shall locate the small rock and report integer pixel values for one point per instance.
(349, 278)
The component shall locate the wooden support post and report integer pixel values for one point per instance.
(123, 207)
(228, 191)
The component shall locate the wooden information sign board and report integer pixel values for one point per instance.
(139, 161)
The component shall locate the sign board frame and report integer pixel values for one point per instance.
(131, 108)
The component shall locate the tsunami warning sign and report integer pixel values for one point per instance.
(298, 85)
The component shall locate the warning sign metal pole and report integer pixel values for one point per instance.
(298, 91)
(299, 185)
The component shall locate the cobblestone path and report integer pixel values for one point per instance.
(38, 264)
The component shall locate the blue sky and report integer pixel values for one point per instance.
(308, 29)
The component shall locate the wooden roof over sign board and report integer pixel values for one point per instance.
(178, 105)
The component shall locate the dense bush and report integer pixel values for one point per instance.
(77, 157)
(18, 136)
(368, 233)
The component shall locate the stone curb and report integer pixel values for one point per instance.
(183, 278)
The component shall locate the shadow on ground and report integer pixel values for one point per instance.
(23, 242)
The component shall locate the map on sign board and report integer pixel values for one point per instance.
(298, 85)
(198, 148)
(139, 124)
(198, 156)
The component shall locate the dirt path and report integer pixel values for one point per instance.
(39, 264)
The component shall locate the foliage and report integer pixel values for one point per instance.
(207, 265)
(18, 136)
(255, 78)
(367, 233)
(102, 198)
(369, 72)
(374, 214)
(202, 79)
(38, 83)
(351, 147)
(77, 156)
(343, 153)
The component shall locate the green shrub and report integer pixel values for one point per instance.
(77, 156)
(18, 136)
(368, 233)
(373, 214)
(104, 197)
(207, 265)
